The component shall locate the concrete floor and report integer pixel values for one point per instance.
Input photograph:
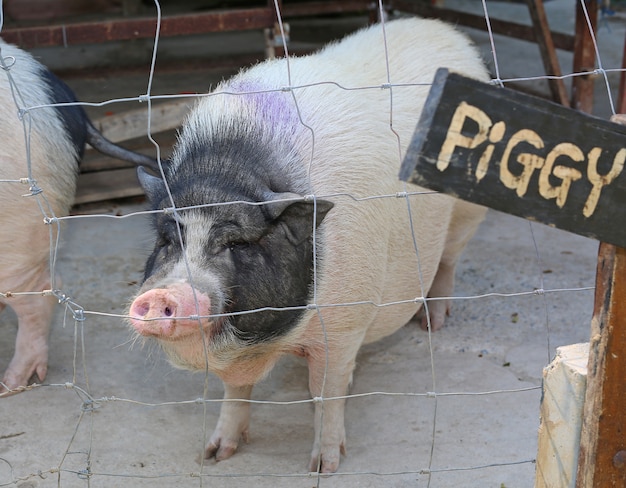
(144, 426)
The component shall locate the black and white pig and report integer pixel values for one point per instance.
(267, 141)
(56, 142)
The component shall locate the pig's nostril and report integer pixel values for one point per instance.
(140, 310)
(168, 312)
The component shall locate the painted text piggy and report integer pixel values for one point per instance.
(284, 186)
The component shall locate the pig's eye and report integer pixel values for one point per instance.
(163, 250)
(236, 245)
(167, 246)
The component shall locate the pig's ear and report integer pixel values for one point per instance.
(296, 214)
(152, 185)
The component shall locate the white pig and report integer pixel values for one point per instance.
(273, 136)
(53, 139)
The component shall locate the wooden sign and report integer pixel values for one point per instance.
(522, 155)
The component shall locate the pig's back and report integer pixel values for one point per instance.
(52, 155)
(347, 136)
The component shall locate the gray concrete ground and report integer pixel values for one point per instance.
(145, 427)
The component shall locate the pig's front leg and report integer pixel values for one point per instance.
(232, 424)
(331, 381)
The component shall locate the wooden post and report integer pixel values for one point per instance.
(561, 414)
(602, 461)
(622, 84)
(274, 47)
(584, 57)
(547, 50)
(602, 457)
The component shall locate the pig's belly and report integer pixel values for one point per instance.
(370, 256)
(407, 277)
(398, 304)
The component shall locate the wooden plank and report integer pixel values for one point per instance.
(134, 123)
(522, 155)
(602, 454)
(621, 105)
(584, 56)
(548, 52)
(140, 28)
(105, 178)
(46, 10)
(107, 185)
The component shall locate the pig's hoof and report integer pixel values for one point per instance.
(436, 322)
(438, 311)
(327, 462)
(222, 448)
(219, 452)
(13, 382)
(8, 388)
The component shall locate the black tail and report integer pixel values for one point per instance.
(102, 144)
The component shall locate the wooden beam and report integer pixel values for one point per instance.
(107, 185)
(134, 123)
(602, 455)
(621, 104)
(140, 28)
(105, 178)
(584, 56)
(548, 52)
(56, 10)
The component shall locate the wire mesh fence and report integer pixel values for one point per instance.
(456, 407)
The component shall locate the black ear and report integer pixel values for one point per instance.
(152, 185)
(296, 215)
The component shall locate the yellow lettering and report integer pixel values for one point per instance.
(529, 161)
(564, 173)
(455, 138)
(599, 181)
(495, 135)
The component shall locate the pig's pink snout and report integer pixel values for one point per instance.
(165, 312)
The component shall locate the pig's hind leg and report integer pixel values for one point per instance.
(232, 424)
(31, 345)
(465, 219)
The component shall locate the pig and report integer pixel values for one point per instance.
(285, 227)
(53, 140)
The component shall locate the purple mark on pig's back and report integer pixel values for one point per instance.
(274, 106)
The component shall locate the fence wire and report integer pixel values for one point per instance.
(79, 450)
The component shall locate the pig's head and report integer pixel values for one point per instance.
(213, 267)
